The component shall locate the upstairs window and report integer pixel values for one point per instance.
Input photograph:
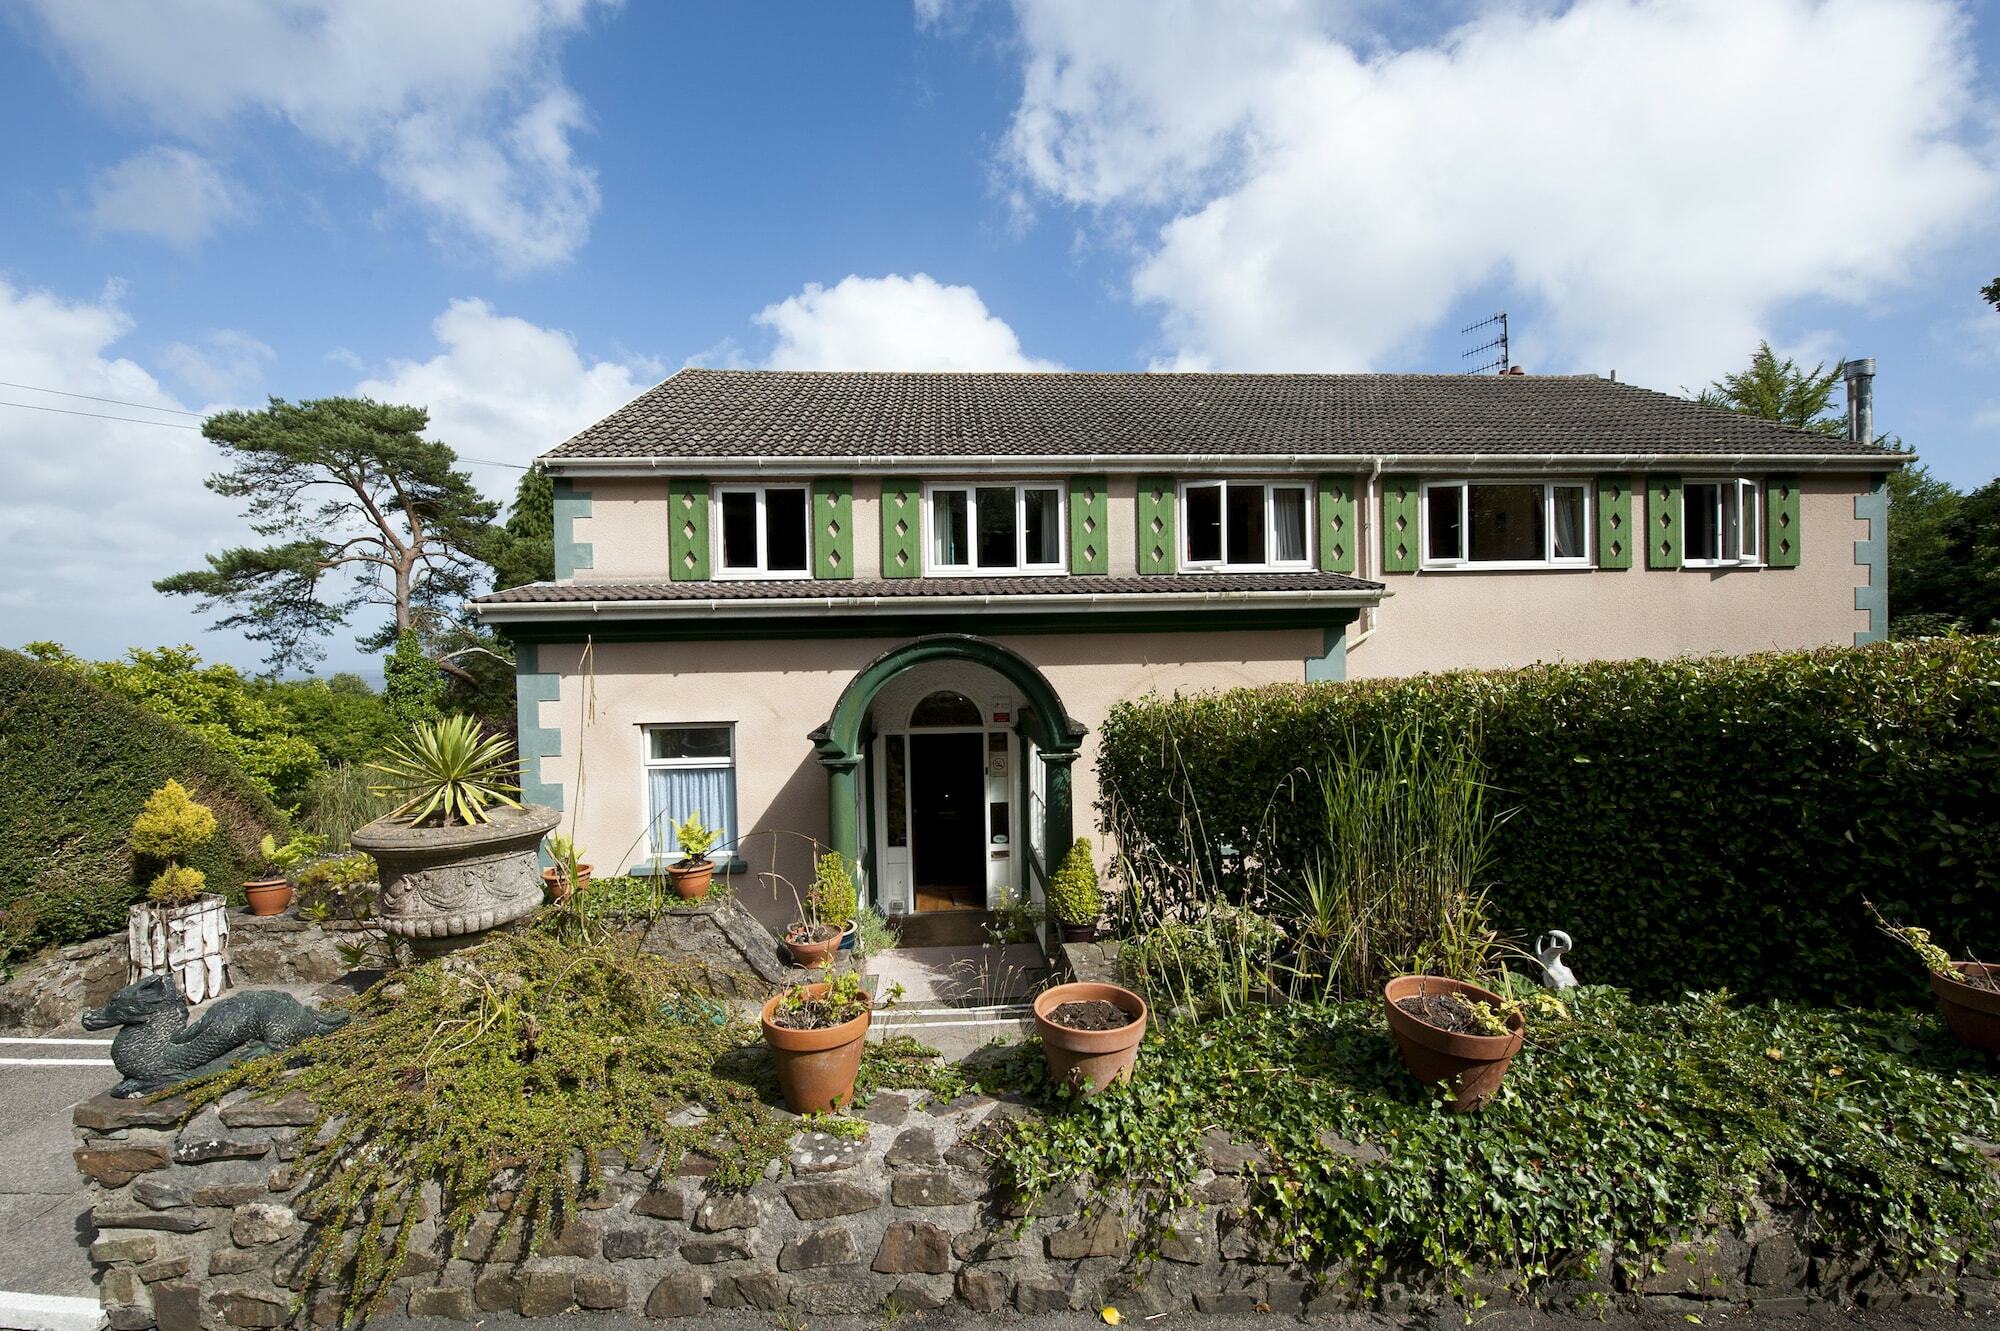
(1720, 523)
(996, 529)
(1506, 524)
(1243, 525)
(762, 531)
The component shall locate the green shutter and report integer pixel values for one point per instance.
(902, 529)
(687, 529)
(1663, 522)
(1614, 522)
(1089, 513)
(1401, 529)
(1156, 525)
(1781, 522)
(833, 527)
(1336, 524)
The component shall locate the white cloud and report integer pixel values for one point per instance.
(891, 323)
(169, 193)
(460, 105)
(506, 390)
(1658, 180)
(225, 365)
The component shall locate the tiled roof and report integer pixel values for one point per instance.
(917, 589)
(782, 413)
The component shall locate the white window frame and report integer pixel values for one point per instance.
(973, 569)
(763, 571)
(1221, 564)
(1746, 549)
(656, 836)
(1465, 562)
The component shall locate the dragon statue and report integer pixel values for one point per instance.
(156, 1047)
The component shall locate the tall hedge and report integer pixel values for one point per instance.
(1691, 823)
(76, 765)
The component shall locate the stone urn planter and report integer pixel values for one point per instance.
(1970, 1010)
(1095, 1054)
(189, 943)
(444, 888)
(816, 1068)
(1472, 1065)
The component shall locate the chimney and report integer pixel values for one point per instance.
(1860, 400)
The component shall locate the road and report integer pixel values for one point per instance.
(45, 1272)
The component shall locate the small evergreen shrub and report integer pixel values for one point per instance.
(1073, 895)
(833, 893)
(172, 825)
(412, 685)
(176, 885)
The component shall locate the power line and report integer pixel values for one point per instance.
(113, 401)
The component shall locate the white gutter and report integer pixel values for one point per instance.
(1090, 603)
(1014, 465)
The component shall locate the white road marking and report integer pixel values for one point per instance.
(56, 1063)
(49, 1039)
(49, 1312)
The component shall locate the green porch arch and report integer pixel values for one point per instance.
(841, 743)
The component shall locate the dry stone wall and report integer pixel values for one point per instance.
(198, 1227)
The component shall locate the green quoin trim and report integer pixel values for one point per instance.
(687, 529)
(1156, 525)
(1330, 668)
(1089, 524)
(1663, 522)
(534, 686)
(833, 527)
(1781, 522)
(1614, 522)
(571, 504)
(1401, 525)
(1336, 524)
(1872, 554)
(902, 529)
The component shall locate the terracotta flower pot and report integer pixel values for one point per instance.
(1473, 1065)
(813, 955)
(269, 896)
(816, 1069)
(691, 880)
(556, 883)
(1092, 1059)
(1972, 1013)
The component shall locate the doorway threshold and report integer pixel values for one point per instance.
(959, 978)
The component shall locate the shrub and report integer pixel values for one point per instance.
(447, 772)
(1711, 822)
(833, 895)
(172, 825)
(1073, 895)
(340, 888)
(336, 801)
(412, 685)
(176, 885)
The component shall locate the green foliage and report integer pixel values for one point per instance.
(524, 550)
(832, 892)
(284, 858)
(446, 772)
(413, 687)
(1960, 578)
(1779, 391)
(343, 888)
(336, 801)
(233, 715)
(340, 716)
(872, 933)
(176, 885)
(1990, 293)
(172, 824)
(844, 1000)
(1072, 892)
(1712, 821)
(1215, 958)
(695, 838)
(1621, 1125)
(361, 511)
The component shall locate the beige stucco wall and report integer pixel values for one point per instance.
(1455, 620)
(626, 529)
(774, 693)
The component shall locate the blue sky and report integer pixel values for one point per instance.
(520, 212)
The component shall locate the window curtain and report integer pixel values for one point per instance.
(676, 792)
(1569, 522)
(1288, 520)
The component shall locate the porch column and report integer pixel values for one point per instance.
(842, 836)
(1059, 829)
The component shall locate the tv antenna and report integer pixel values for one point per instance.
(1499, 364)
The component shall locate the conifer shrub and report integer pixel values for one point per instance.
(1074, 898)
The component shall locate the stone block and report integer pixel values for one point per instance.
(130, 1216)
(985, 1245)
(166, 1268)
(822, 1247)
(984, 1289)
(888, 1108)
(177, 1306)
(1788, 1305)
(723, 1211)
(918, 1296)
(292, 1111)
(913, 1247)
(1186, 1239)
(830, 1297)
(497, 1291)
(662, 1204)
(201, 1148)
(546, 1294)
(929, 1187)
(259, 1223)
(1286, 1296)
(116, 1166)
(824, 1153)
(452, 1302)
(127, 1303)
(1711, 1269)
(726, 1248)
(600, 1292)
(579, 1238)
(1777, 1261)
(1041, 1296)
(1227, 1301)
(914, 1148)
(124, 1248)
(235, 1261)
(228, 1195)
(823, 1200)
(161, 1195)
(627, 1242)
(1054, 1202)
(677, 1295)
(1226, 1155)
(238, 1307)
(757, 1289)
(1134, 1292)
(1100, 1235)
(107, 1113)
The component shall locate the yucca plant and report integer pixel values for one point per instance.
(446, 772)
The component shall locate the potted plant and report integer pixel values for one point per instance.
(179, 930)
(828, 914)
(1074, 899)
(570, 873)
(693, 871)
(1454, 1033)
(1090, 1033)
(816, 1032)
(1968, 992)
(272, 893)
(457, 855)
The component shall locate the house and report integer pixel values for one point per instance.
(885, 611)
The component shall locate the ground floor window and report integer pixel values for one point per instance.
(1721, 522)
(690, 770)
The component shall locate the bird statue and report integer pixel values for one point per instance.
(1550, 949)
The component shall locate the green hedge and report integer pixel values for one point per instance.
(1692, 823)
(76, 764)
